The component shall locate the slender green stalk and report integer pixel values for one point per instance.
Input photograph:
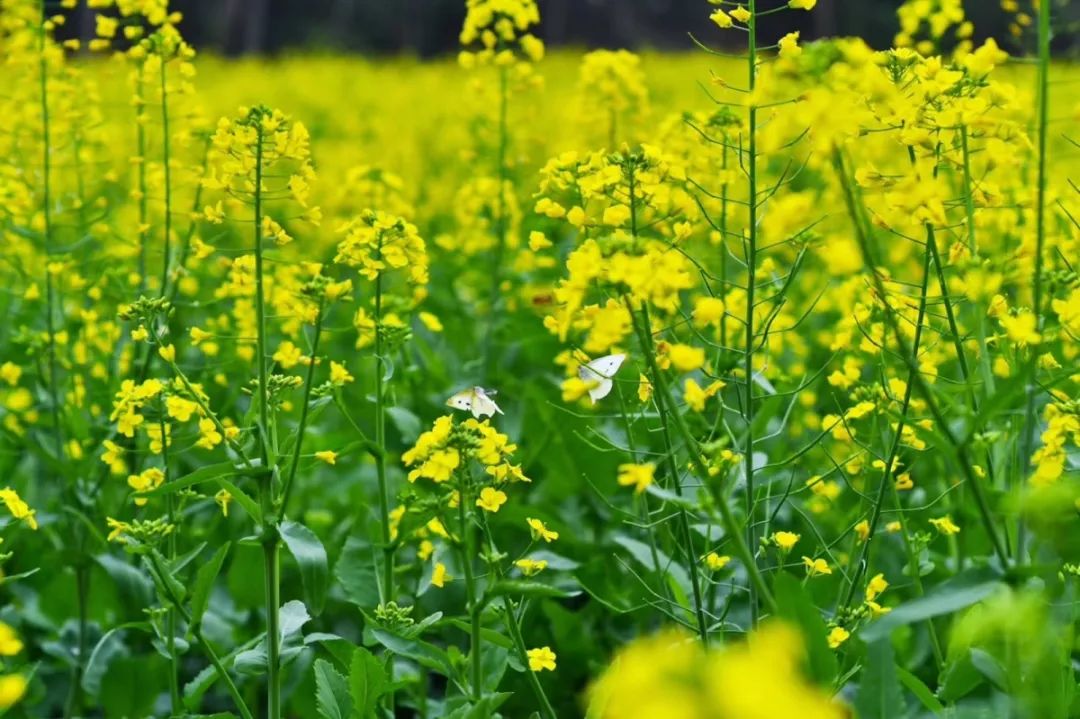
(467, 545)
(389, 591)
(271, 539)
(500, 226)
(170, 619)
(973, 247)
(512, 626)
(751, 279)
(894, 450)
(196, 631)
(1028, 438)
(642, 500)
(73, 705)
(272, 591)
(140, 142)
(959, 448)
(723, 244)
(286, 491)
(684, 520)
(687, 539)
(165, 153)
(260, 305)
(727, 517)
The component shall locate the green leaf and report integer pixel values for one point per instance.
(794, 604)
(427, 654)
(110, 646)
(356, 571)
(963, 590)
(168, 585)
(310, 555)
(204, 584)
(920, 690)
(203, 474)
(408, 424)
(248, 504)
(483, 709)
(525, 588)
(132, 584)
(879, 695)
(332, 697)
(367, 682)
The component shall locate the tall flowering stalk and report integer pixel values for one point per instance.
(495, 33)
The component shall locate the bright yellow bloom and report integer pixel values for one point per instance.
(837, 636)
(876, 586)
(945, 525)
(439, 575)
(722, 19)
(531, 567)
(10, 644)
(638, 476)
(540, 531)
(686, 358)
(814, 567)
(786, 541)
(741, 14)
(326, 455)
(12, 689)
(540, 659)
(18, 508)
(715, 562)
(339, 376)
(490, 499)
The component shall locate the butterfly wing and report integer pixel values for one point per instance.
(599, 372)
(461, 400)
(482, 405)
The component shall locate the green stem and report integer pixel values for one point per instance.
(684, 520)
(973, 246)
(642, 500)
(389, 591)
(500, 227)
(751, 279)
(523, 655)
(170, 620)
(513, 626)
(727, 517)
(168, 177)
(1040, 241)
(467, 545)
(960, 451)
(260, 307)
(861, 566)
(196, 631)
(272, 593)
(271, 539)
(286, 491)
(140, 141)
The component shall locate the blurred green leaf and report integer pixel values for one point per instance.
(204, 583)
(310, 555)
(954, 594)
(880, 696)
(331, 692)
(367, 682)
(793, 603)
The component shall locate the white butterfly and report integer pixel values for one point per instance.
(599, 372)
(475, 400)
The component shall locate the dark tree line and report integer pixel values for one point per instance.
(430, 27)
